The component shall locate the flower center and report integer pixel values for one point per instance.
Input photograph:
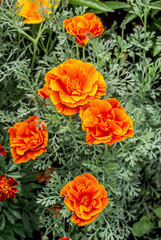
(84, 200)
(5, 188)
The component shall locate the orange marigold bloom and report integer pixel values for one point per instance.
(7, 188)
(45, 175)
(2, 151)
(33, 10)
(85, 197)
(80, 26)
(106, 121)
(74, 84)
(28, 139)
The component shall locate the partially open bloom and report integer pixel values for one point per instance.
(7, 188)
(84, 27)
(73, 84)
(45, 175)
(85, 197)
(2, 151)
(106, 121)
(33, 10)
(28, 139)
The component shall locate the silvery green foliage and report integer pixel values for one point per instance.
(130, 170)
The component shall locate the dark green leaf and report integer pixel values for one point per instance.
(116, 5)
(159, 223)
(92, 4)
(16, 175)
(9, 217)
(25, 220)
(130, 17)
(157, 211)
(15, 213)
(19, 231)
(2, 225)
(142, 227)
(155, 5)
(12, 167)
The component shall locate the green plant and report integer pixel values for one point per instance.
(129, 170)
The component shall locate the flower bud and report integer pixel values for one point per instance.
(65, 3)
(45, 238)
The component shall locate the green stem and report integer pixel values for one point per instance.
(69, 121)
(35, 42)
(49, 38)
(24, 33)
(52, 44)
(97, 60)
(145, 24)
(123, 146)
(77, 48)
(106, 150)
(34, 54)
(83, 50)
(18, 50)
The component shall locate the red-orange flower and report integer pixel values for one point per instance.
(81, 26)
(64, 238)
(85, 197)
(2, 151)
(33, 11)
(28, 139)
(45, 175)
(106, 121)
(74, 84)
(7, 188)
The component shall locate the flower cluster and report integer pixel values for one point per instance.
(85, 197)
(7, 188)
(28, 139)
(73, 87)
(84, 27)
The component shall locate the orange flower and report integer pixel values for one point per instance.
(2, 151)
(73, 84)
(44, 92)
(85, 197)
(28, 139)
(80, 26)
(106, 121)
(64, 238)
(7, 188)
(33, 10)
(45, 175)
